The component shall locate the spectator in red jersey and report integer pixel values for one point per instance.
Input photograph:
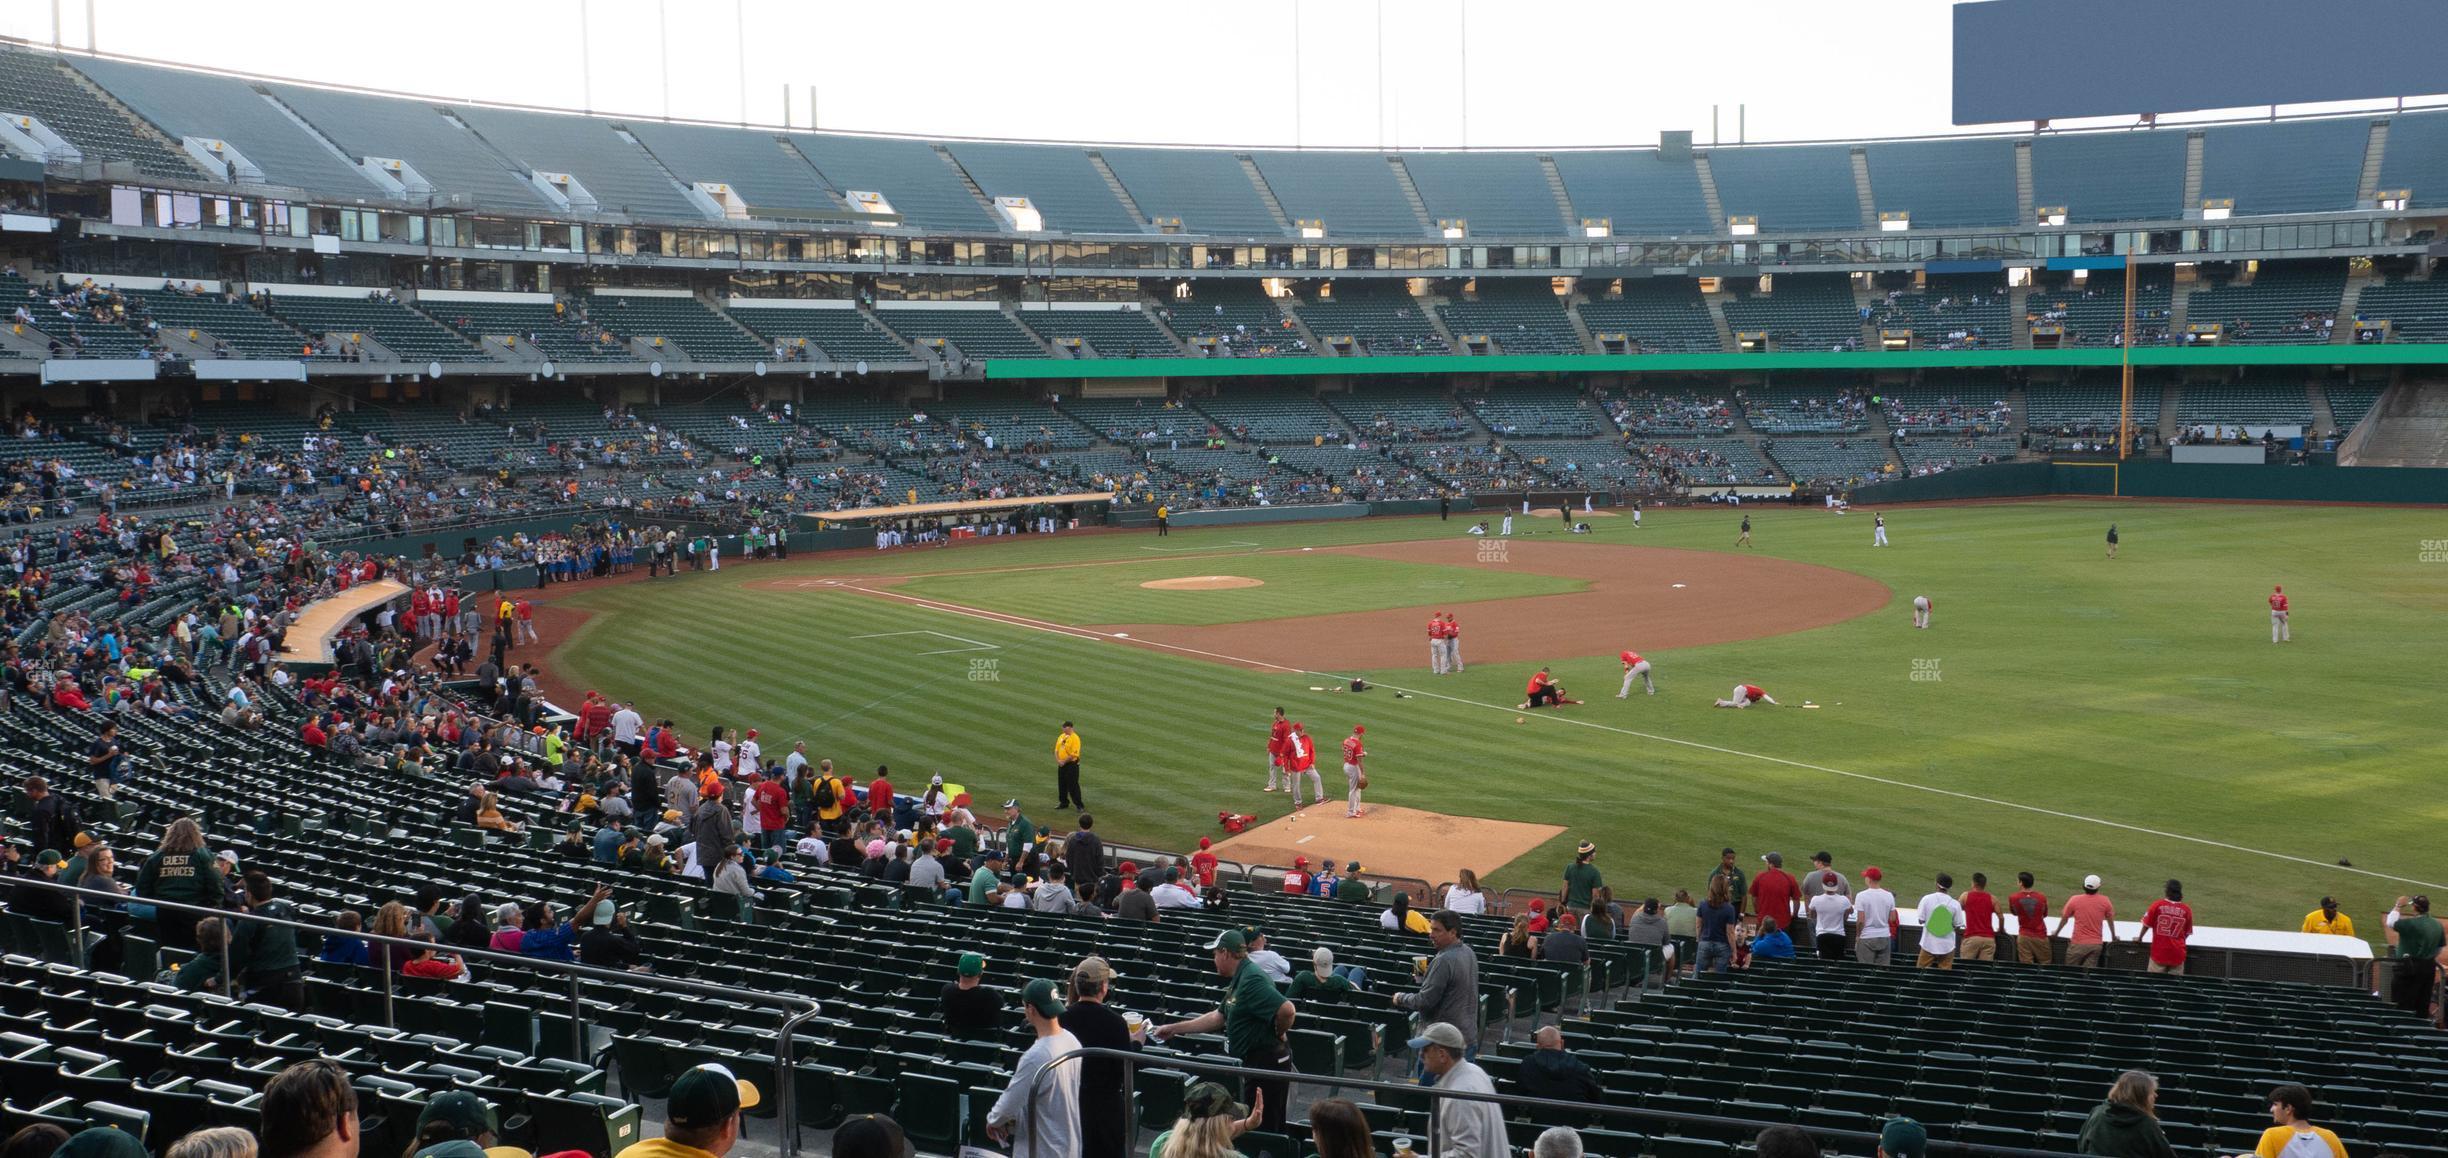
(2030, 908)
(1296, 882)
(2165, 926)
(773, 809)
(1203, 862)
(2092, 916)
(1775, 896)
(1980, 931)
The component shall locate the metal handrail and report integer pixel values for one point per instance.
(1132, 1059)
(800, 1008)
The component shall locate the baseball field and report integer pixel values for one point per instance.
(2065, 713)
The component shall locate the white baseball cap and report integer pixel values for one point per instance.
(2091, 882)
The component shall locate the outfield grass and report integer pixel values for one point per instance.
(2143, 692)
(1294, 584)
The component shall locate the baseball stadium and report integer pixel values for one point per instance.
(537, 630)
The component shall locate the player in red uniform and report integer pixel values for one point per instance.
(2278, 617)
(1745, 695)
(1300, 757)
(1453, 643)
(1635, 667)
(1354, 751)
(1545, 692)
(1278, 741)
(1436, 644)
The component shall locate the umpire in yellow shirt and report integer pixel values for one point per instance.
(1066, 769)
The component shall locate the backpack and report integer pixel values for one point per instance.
(1941, 922)
(824, 793)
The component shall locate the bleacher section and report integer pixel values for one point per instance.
(1947, 409)
(1015, 423)
(2417, 158)
(1805, 409)
(1789, 188)
(1706, 461)
(196, 104)
(1828, 461)
(1949, 451)
(2287, 167)
(1657, 413)
(922, 189)
(754, 163)
(1662, 315)
(1498, 194)
(1359, 474)
(1354, 194)
(1635, 191)
(2285, 304)
(1802, 312)
(1470, 467)
(838, 335)
(705, 335)
(1204, 189)
(1378, 319)
(81, 336)
(2261, 399)
(245, 332)
(401, 330)
(529, 323)
(1271, 415)
(1108, 333)
(2129, 176)
(1944, 183)
(2348, 404)
(37, 84)
(619, 176)
(1949, 312)
(1058, 180)
(2087, 408)
(1599, 465)
(2094, 315)
(1144, 420)
(440, 149)
(1392, 413)
(1216, 475)
(1516, 318)
(2417, 311)
(975, 333)
(1238, 316)
(1538, 410)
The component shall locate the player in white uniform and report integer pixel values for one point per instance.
(1921, 610)
(1636, 516)
(1635, 668)
(1508, 523)
(1878, 530)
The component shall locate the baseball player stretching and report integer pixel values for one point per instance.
(1279, 739)
(1921, 610)
(1436, 644)
(1746, 695)
(1354, 751)
(2278, 617)
(1635, 668)
(1878, 530)
(1300, 756)
(1453, 643)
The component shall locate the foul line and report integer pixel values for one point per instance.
(974, 645)
(1206, 547)
(1087, 634)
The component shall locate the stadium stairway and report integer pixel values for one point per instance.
(2408, 428)
(2170, 399)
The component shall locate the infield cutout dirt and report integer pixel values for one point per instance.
(1644, 598)
(1204, 583)
(1390, 840)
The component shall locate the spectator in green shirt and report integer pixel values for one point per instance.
(1736, 884)
(1351, 887)
(202, 972)
(1018, 833)
(1581, 878)
(2419, 940)
(1322, 979)
(989, 874)
(1256, 1021)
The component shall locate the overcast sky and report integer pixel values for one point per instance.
(1539, 72)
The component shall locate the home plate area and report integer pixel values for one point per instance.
(1388, 840)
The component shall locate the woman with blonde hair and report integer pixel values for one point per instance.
(391, 920)
(181, 871)
(489, 814)
(215, 1142)
(1208, 1125)
(1517, 942)
(1463, 896)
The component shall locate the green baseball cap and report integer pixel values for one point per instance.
(972, 964)
(465, 1112)
(1044, 997)
(1230, 940)
(706, 1096)
(1903, 1138)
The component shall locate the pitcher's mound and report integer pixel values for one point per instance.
(1203, 583)
(1388, 840)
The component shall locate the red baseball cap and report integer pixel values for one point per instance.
(1359, 728)
(1872, 873)
(1204, 842)
(1300, 862)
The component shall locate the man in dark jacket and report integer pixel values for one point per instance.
(1085, 852)
(1549, 1072)
(52, 821)
(266, 956)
